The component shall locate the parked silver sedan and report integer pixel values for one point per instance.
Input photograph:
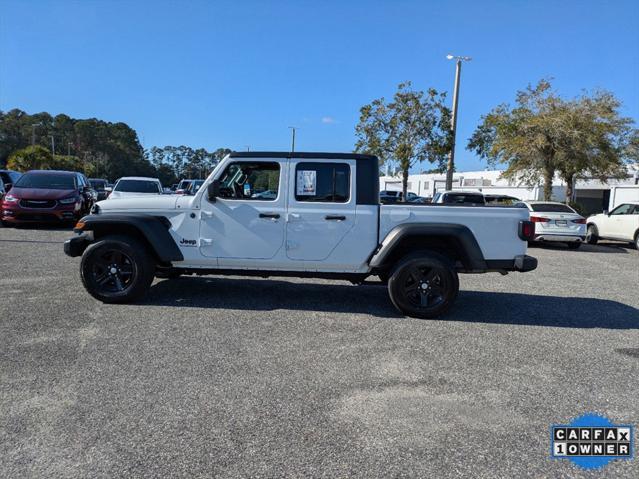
(556, 222)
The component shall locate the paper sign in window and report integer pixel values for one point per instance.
(306, 182)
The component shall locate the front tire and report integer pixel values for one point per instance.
(423, 285)
(117, 269)
(592, 235)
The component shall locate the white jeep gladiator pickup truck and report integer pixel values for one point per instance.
(305, 215)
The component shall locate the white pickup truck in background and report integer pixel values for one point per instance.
(320, 218)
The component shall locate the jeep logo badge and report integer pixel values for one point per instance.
(187, 242)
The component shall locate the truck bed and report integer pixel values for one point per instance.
(495, 228)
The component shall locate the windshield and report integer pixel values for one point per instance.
(98, 184)
(137, 186)
(551, 208)
(47, 181)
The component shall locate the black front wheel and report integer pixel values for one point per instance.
(423, 285)
(117, 269)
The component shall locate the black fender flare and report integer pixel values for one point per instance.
(154, 229)
(472, 257)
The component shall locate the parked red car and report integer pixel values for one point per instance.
(45, 196)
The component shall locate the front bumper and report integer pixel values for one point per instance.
(75, 246)
(565, 238)
(14, 213)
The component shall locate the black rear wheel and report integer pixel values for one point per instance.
(592, 235)
(117, 269)
(423, 285)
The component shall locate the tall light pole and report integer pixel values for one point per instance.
(33, 129)
(293, 129)
(52, 145)
(451, 158)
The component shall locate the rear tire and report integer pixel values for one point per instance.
(423, 285)
(574, 245)
(636, 243)
(592, 234)
(117, 269)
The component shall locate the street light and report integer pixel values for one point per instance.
(451, 157)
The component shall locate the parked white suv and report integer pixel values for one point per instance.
(556, 222)
(135, 186)
(621, 224)
(321, 219)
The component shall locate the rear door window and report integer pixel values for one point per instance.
(323, 182)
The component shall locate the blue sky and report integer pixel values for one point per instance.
(217, 73)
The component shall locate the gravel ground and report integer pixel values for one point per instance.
(235, 377)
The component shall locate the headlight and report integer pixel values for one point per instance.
(10, 199)
(68, 201)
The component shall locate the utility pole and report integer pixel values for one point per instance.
(293, 129)
(451, 157)
(52, 145)
(248, 147)
(33, 129)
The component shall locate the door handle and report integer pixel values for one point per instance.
(334, 217)
(274, 216)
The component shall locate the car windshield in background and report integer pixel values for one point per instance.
(550, 208)
(457, 198)
(98, 184)
(195, 186)
(137, 186)
(51, 181)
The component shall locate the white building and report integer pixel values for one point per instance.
(592, 194)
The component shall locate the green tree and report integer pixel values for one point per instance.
(31, 158)
(414, 127)
(544, 135)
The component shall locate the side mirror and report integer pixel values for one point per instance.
(7, 187)
(213, 190)
(606, 212)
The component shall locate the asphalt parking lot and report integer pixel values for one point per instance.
(236, 377)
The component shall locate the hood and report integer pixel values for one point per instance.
(139, 203)
(41, 193)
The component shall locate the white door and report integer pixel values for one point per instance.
(247, 221)
(321, 209)
(619, 221)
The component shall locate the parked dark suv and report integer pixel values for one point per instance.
(44, 196)
(100, 186)
(7, 179)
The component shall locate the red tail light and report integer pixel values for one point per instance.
(539, 219)
(580, 221)
(526, 230)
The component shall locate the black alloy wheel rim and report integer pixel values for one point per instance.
(113, 271)
(425, 287)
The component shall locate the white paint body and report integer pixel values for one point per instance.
(621, 224)
(230, 234)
